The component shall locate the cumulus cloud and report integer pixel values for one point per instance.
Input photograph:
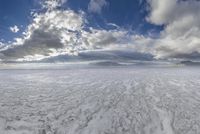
(14, 29)
(58, 32)
(48, 34)
(182, 28)
(95, 6)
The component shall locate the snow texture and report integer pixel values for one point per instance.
(114, 100)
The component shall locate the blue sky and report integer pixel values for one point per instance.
(39, 29)
(129, 15)
(12, 13)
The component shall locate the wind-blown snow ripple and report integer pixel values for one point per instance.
(100, 101)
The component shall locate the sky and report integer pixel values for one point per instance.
(41, 30)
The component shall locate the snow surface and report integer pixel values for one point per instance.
(135, 100)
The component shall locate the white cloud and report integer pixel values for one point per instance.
(182, 28)
(49, 35)
(1, 43)
(96, 6)
(57, 32)
(102, 38)
(52, 4)
(48, 31)
(14, 29)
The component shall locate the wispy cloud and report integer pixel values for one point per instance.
(96, 6)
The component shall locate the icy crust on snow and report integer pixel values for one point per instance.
(100, 101)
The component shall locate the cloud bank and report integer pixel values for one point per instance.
(55, 33)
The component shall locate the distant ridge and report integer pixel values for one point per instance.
(190, 63)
